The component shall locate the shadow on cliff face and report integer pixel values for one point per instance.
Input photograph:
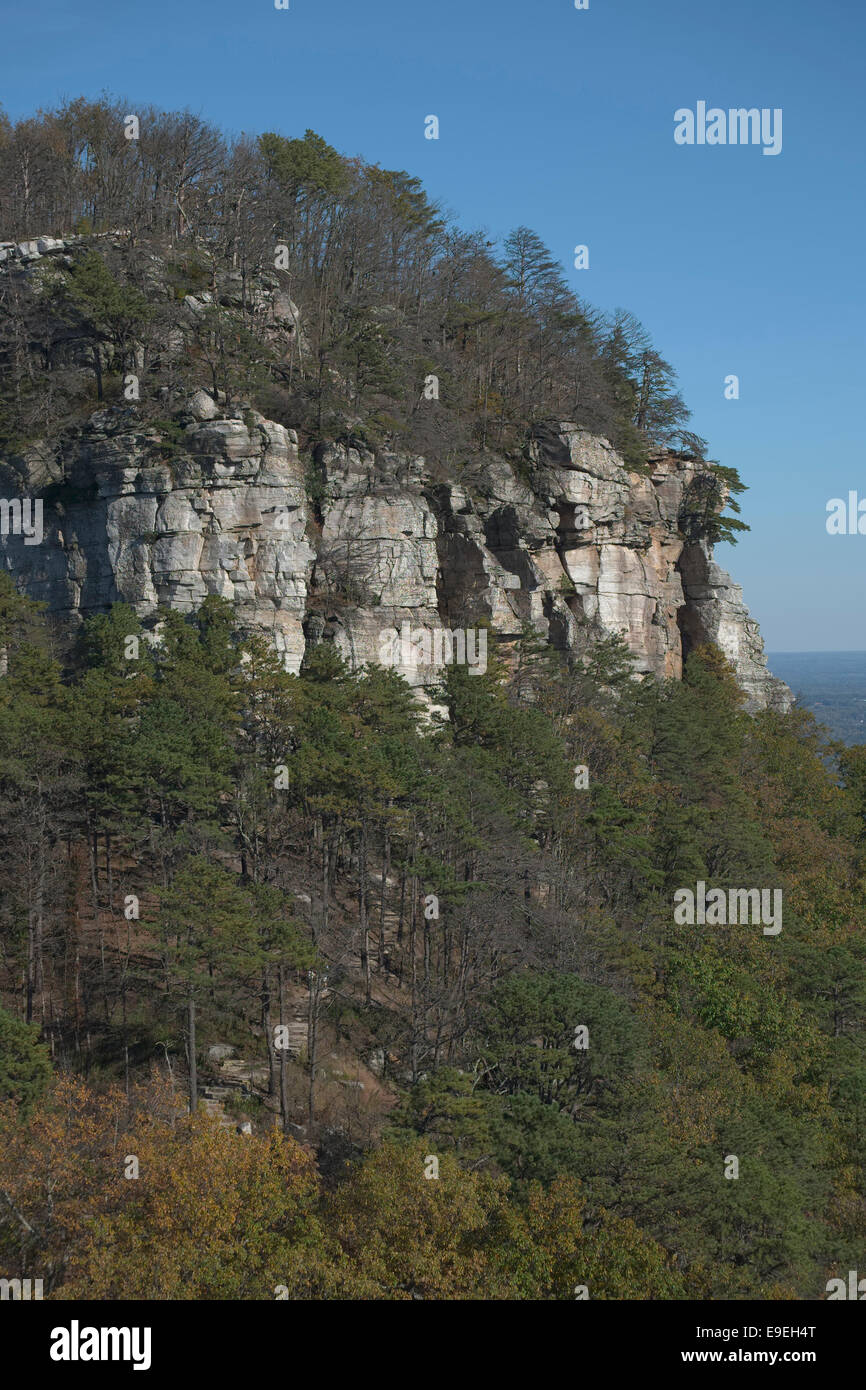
(70, 570)
(551, 448)
(692, 632)
(693, 567)
(462, 583)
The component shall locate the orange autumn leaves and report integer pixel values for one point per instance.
(216, 1215)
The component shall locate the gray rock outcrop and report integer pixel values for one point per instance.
(574, 542)
(131, 522)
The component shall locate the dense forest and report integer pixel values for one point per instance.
(197, 844)
(308, 990)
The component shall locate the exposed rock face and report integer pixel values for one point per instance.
(715, 612)
(578, 539)
(227, 516)
(25, 252)
(378, 556)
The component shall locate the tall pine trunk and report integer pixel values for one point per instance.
(284, 1055)
(193, 1074)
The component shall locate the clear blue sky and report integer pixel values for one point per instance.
(563, 120)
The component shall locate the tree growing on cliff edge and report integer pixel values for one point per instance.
(701, 515)
(391, 292)
(99, 309)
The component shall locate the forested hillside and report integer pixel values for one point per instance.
(312, 989)
(198, 846)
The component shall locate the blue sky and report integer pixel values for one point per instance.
(563, 120)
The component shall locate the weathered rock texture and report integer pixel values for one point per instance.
(130, 523)
(576, 540)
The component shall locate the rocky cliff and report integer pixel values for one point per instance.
(352, 545)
